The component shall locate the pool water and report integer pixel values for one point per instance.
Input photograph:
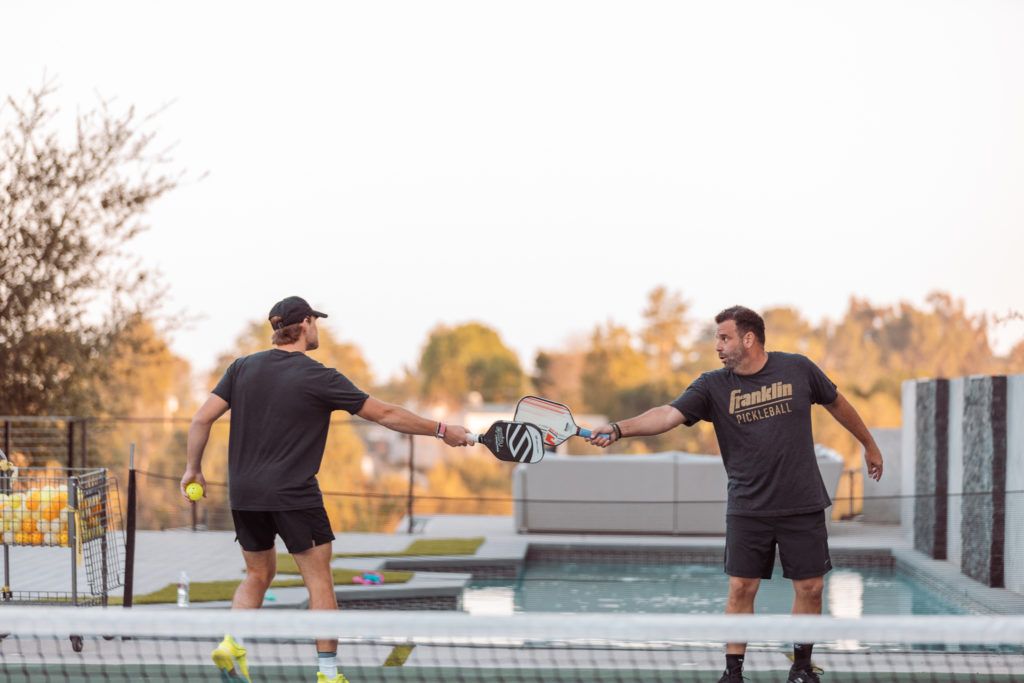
(690, 589)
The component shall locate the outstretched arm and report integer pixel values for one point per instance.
(198, 435)
(655, 421)
(846, 415)
(401, 420)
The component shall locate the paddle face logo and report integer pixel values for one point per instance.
(524, 441)
(499, 438)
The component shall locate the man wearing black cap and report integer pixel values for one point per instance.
(281, 402)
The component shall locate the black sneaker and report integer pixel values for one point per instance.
(803, 676)
(731, 678)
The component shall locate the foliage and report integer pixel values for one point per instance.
(611, 367)
(473, 482)
(146, 379)
(69, 292)
(666, 331)
(559, 373)
(468, 358)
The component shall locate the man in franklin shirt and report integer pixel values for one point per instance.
(281, 402)
(760, 404)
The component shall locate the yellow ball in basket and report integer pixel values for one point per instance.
(194, 491)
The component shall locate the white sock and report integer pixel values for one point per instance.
(328, 662)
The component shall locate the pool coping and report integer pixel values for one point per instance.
(946, 580)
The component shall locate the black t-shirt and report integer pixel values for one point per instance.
(763, 425)
(281, 404)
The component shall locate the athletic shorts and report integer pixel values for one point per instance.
(299, 529)
(802, 540)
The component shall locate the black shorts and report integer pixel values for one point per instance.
(299, 529)
(802, 539)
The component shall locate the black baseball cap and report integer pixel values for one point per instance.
(291, 310)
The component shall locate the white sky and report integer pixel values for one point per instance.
(540, 166)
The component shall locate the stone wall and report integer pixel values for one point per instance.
(983, 512)
(963, 451)
(931, 468)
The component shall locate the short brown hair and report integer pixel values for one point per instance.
(289, 334)
(746, 321)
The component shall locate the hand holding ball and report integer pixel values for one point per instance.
(194, 491)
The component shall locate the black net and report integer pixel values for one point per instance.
(52, 644)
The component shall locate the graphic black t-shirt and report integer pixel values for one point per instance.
(763, 425)
(281, 404)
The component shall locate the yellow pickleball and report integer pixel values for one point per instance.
(194, 491)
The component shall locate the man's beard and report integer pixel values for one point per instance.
(733, 360)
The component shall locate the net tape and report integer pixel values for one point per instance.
(982, 630)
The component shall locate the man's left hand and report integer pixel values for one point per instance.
(873, 458)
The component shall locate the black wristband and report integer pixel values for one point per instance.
(618, 430)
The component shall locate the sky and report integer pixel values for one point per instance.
(541, 166)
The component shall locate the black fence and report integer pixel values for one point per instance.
(48, 439)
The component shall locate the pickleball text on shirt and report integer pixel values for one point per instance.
(762, 404)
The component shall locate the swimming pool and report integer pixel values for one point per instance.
(690, 589)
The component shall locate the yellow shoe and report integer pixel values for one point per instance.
(320, 678)
(229, 657)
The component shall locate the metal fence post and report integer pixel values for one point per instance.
(71, 443)
(85, 442)
(129, 541)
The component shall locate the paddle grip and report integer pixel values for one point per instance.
(587, 434)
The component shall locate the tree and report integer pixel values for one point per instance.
(147, 381)
(612, 365)
(558, 376)
(147, 378)
(67, 209)
(468, 483)
(787, 330)
(1015, 359)
(665, 331)
(466, 358)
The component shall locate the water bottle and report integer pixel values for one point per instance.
(183, 590)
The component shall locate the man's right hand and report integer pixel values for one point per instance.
(873, 459)
(456, 435)
(189, 477)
